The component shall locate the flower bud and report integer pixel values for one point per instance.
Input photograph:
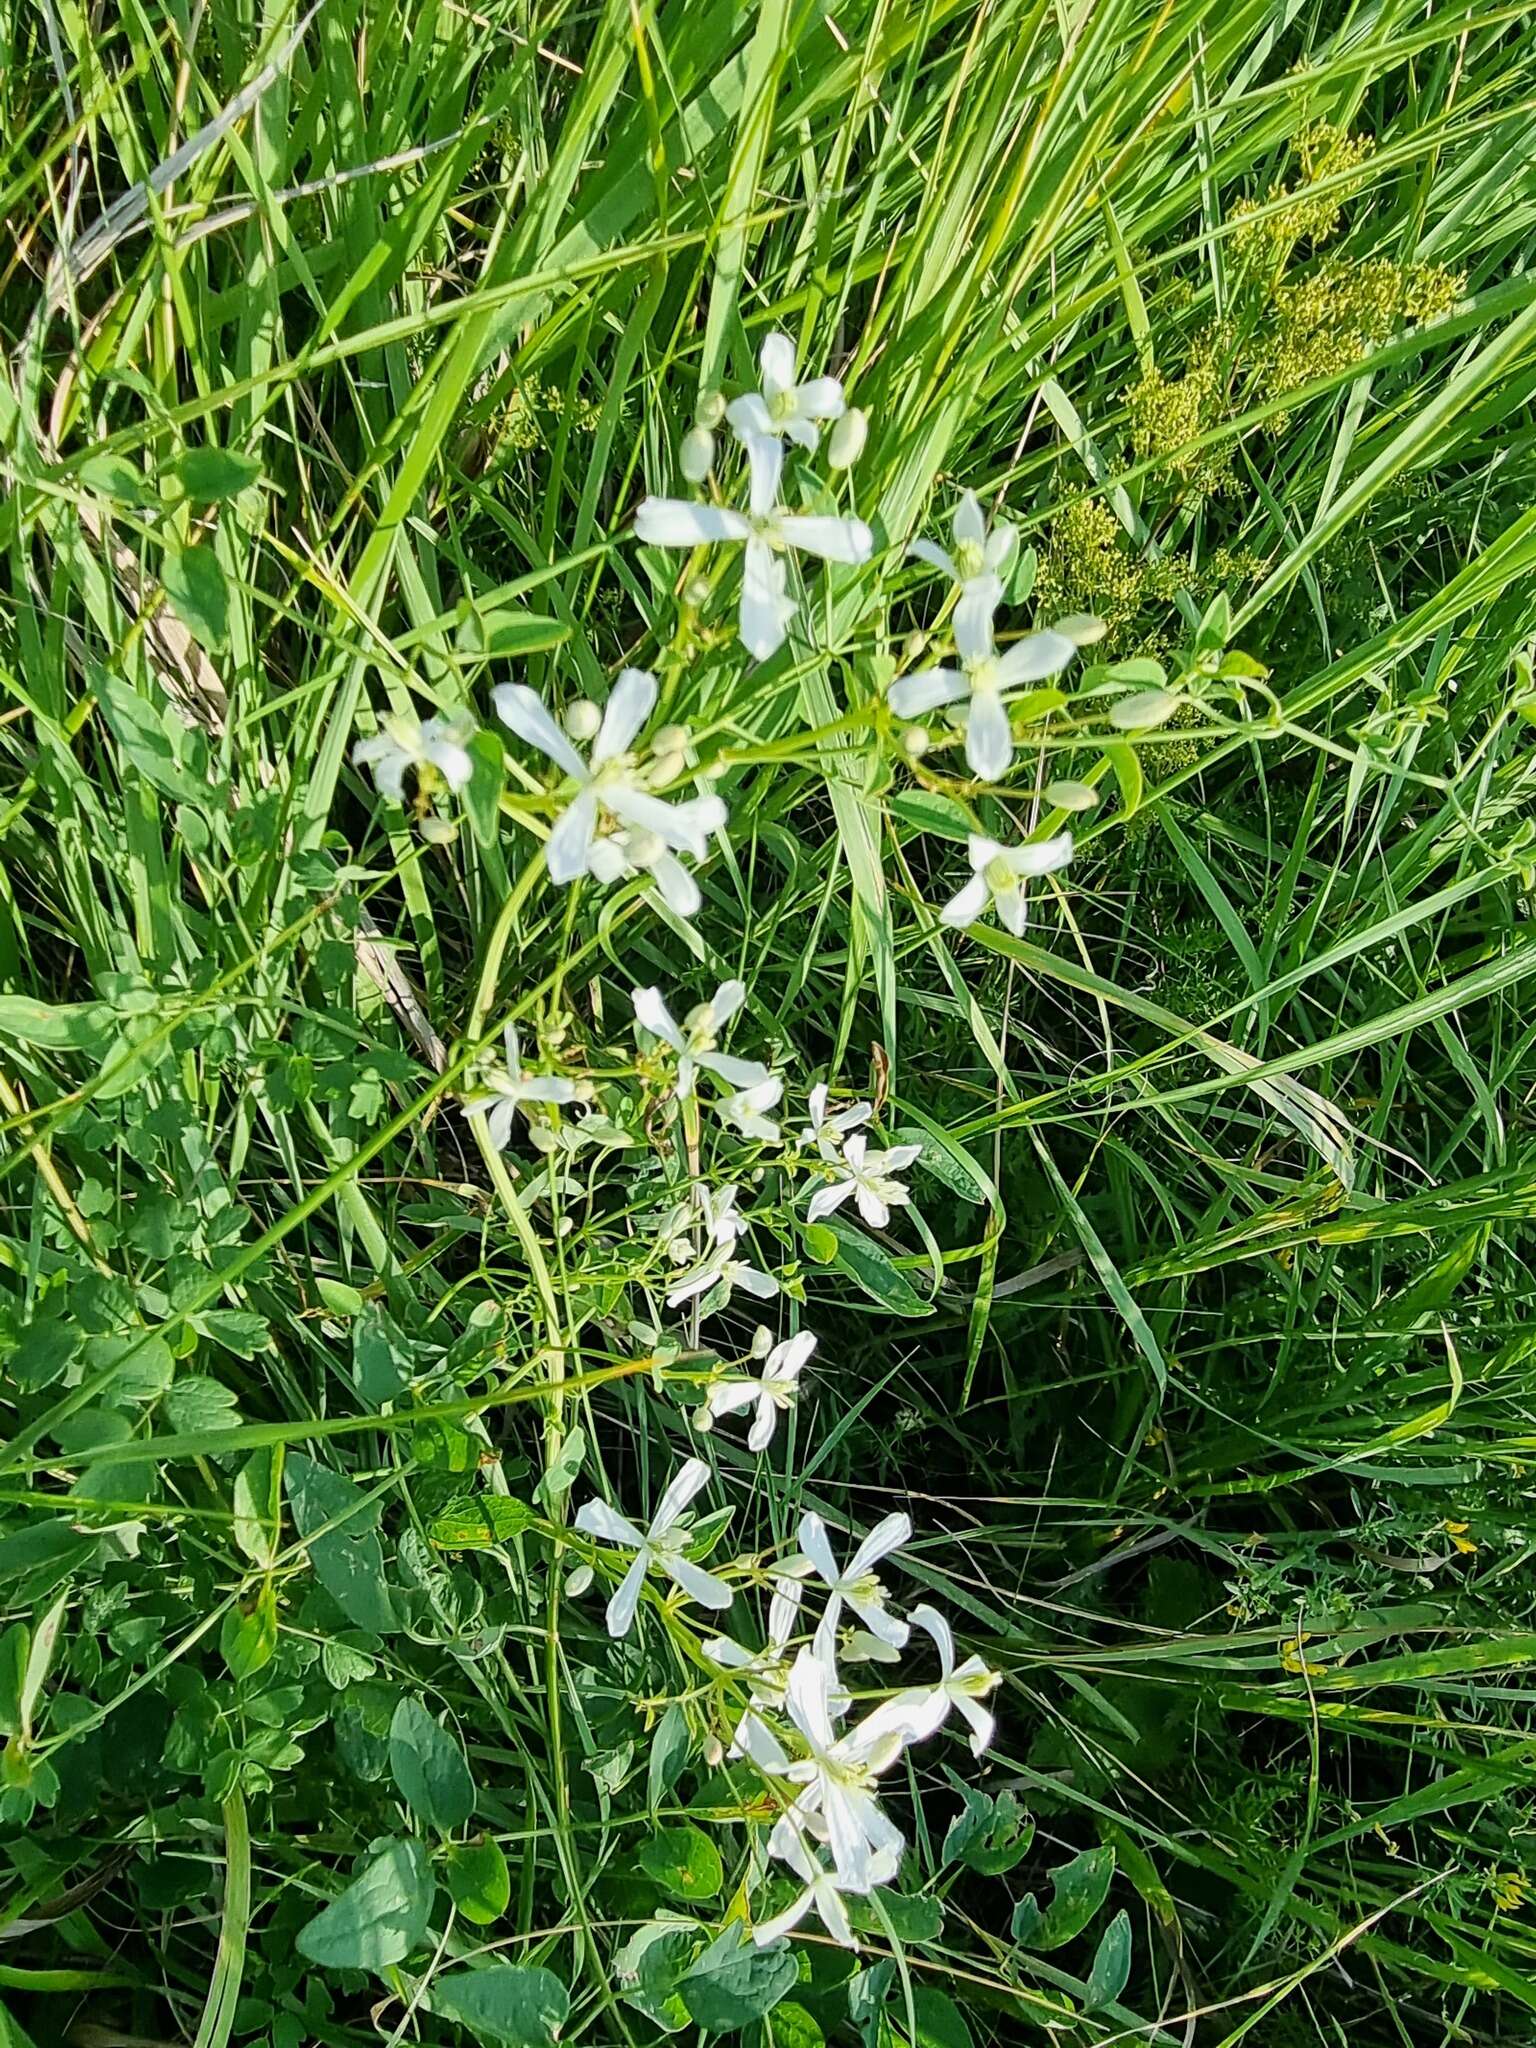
(916, 741)
(696, 457)
(672, 739)
(710, 410)
(762, 1341)
(696, 593)
(579, 1581)
(845, 444)
(913, 648)
(438, 831)
(582, 719)
(714, 1752)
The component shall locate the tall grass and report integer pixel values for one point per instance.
(340, 349)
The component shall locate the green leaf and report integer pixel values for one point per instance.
(258, 1511)
(867, 1264)
(649, 1967)
(480, 1521)
(478, 1880)
(669, 1753)
(381, 1363)
(940, 2022)
(794, 2027)
(340, 1298)
(1078, 1890)
(248, 1635)
(348, 1559)
(494, 633)
(147, 738)
(15, 1645)
(429, 1767)
(199, 596)
(379, 1918)
(482, 793)
(195, 1403)
(820, 1241)
(210, 475)
(1111, 1963)
(684, 1861)
(511, 2004)
(930, 811)
(62, 1027)
(989, 1835)
(735, 1982)
(947, 1161)
(561, 1475)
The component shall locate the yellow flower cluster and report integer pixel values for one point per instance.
(1168, 413)
(1341, 313)
(1329, 158)
(1086, 566)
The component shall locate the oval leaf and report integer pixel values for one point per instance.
(512, 2004)
(429, 1767)
(683, 1861)
(864, 1262)
(379, 1918)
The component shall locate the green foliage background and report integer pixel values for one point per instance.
(1215, 1408)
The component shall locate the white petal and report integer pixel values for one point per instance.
(888, 1535)
(755, 1739)
(679, 891)
(725, 1002)
(788, 1360)
(741, 1074)
(527, 715)
(929, 1618)
(760, 1436)
(845, 1837)
(982, 851)
(569, 846)
(784, 1610)
(897, 1159)
(674, 826)
(721, 1650)
(547, 1088)
(686, 1482)
(452, 761)
(630, 703)
(970, 521)
(988, 737)
(826, 1199)
(819, 1095)
(834, 1915)
(782, 1923)
(777, 363)
(1012, 910)
(834, 540)
(749, 417)
(806, 1699)
(1000, 544)
(596, 1518)
(1041, 856)
(788, 1845)
(872, 1209)
(607, 860)
(911, 696)
(978, 602)
(389, 774)
(814, 1541)
(651, 1011)
(965, 908)
(766, 609)
(621, 1608)
(983, 1726)
(701, 817)
(679, 523)
(802, 432)
(765, 463)
(698, 1584)
(726, 1397)
(881, 1623)
(820, 398)
(936, 557)
(1035, 656)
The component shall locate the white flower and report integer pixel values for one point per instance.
(979, 557)
(744, 1110)
(998, 878)
(961, 1686)
(611, 787)
(783, 406)
(768, 1672)
(724, 1229)
(773, 1391)
(695, 1040)
(826, 1132)
(661, 1545)
(981, 684)
(870, 1177)
(856, 1584)
(839, 1773)
(508, 1089)
(633, 850)
(404, 741)
(766, 607)
(823, 1892)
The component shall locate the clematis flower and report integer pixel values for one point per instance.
(724, 1230)
(828, 1129)
(634, 851)
(695, 1041)
(769, 533)
(981, 684)
(961, 1686)
(975, 567)
(998, 878)
(855, 1584)
(773, 1391)
(839, 1801)
(661, 1546)
(870, 1178)
(610, 788)
(435, 746)
(767, 1670)
(508, 1089)
(745, 1110)
(783, 406)
(823, 1894)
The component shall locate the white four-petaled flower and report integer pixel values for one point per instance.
(661, 1545)
(611, 800)
(823, 1893)
(975, 566)
(696, 1039)
(829, 1127)
(783, 406)
(961, 1686)
(769, 533)
(772, 1391)
(506, 1090)
(998, 876)
(838, 1802)
(981, 684)
(855, 1583)
(870, 1177)
(404, 742)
